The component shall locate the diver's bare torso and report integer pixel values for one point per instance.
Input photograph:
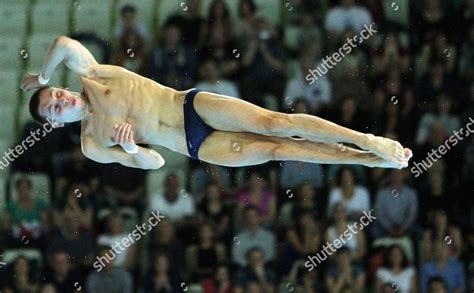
(117, 95)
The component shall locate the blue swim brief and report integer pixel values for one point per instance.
(195, 128)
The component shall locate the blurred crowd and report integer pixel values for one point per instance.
(253, 229)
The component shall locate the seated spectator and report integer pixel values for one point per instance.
(253, 235)
(263, 62)
(221, 281)
(164, 241)
(391, 52)
(78, 243)
(171, 62)
(128, 23)
(344, 274)
(60, 274)
(214, 83)
(257, 274)
(430, 17)
(396, 271)
(245, 27)
(123, 186)
(346, 15)
(130, 52)
(125, 258)
(76, 168)
(212, 208)
(22, 278)
(110, 278)
(26, 216)
(339, 225)
(256, 193)
(437, 49)
(354, 197)
(204, 174)
(162, 277)
(202, 258)
(302, 279)
(305, 201)
(79, 205)
(396, 207)
(190, 23)
(318, 94)
(303, 239)
(440, 229)
(437, 285)
(174, 203)
(449, 269)
(443, 114)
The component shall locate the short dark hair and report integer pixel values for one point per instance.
(128, 8)
(34, 106)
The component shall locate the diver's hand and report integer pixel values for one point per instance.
(123, 135)
(30, 82)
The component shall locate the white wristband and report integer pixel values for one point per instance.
(134, 150)
(41, 80)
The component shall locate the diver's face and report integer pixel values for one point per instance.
(60, 105)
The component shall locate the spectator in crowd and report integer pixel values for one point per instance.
(256, 193)
(77, 203)
(450, 269)
(346, 15)
(355, 244)
(443, 114)
(214, 83)
(162, 278)
(257, 276)
(61, 275)
(440, 229)
(253, 235)
(130, 52)
(110, 278)
(396, 270)
(218, 19)
(295, 173)
(344, 274)
(221, 281)
(430, 17)
(355, 198)
(396, 207)
(114, 234)
(190, 23)
(22, 278)
(391, 52)
(245, 27)
(26, 216)
(172, 62)
(466, 60)
(203, 174)
(437, 285)
(123, 186)
(68, 236)
(128, 24)
(437, 49)
(76, 168)
(202, 258)
(303, 239)
(306, 200)
(302, 279)
(317, 94)
(164, 241)
(213, 208)
(174, 203)
(263, 63)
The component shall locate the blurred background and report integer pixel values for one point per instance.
(247, 229)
